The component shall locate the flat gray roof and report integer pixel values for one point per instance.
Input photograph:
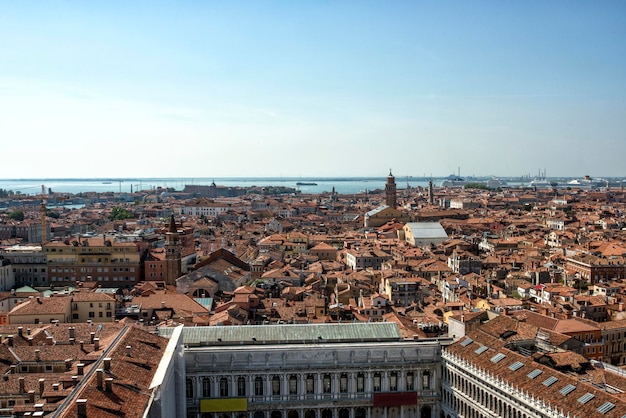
(427, 230)
(287, 333)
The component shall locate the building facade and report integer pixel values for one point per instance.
(361, 370)
(109, 262)
(28, 263)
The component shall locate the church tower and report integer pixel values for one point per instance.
(390, 191)
(173, 253)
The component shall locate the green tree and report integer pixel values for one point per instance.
(118, 213)
(17, 215)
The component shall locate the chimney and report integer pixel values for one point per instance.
(128, 351)
(68, 364)
(20, 331)
(81, 407)
(162, 305)
(55, 387)
(96, 344)
(72, 332)
(81, 368)
(37, 355)
(50, 340)
(72, 341)
(10, 339)
(13, 369)
(108, 384)
(39, 408)
(21, 380)
(30, 341)
(38, 300)
(41, 385)
(27, 331)
(107, 364)
(99, 378)
(82, 344)
(74, 380)
(31, 396)
(92, 336)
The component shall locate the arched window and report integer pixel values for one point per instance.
(426, 380)
(410, 381)
(206, 387)
(189, 387)
(275, 385)
(241, 386)
(360, 382)
(223, 387)
(376, 382)
(343, 383)
(393, 381)
(327, 384)
(310, 384)
(258, 386)
(293, 384)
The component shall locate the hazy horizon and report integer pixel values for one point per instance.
(312, 89)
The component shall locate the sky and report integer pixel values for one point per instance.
(312, 88)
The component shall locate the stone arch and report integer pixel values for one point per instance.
(426, 412)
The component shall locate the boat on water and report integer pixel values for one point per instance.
(540, 183)
(305, 183)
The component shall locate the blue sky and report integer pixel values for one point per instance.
(312, 88)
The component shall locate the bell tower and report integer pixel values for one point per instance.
(390, 191)
(173, 253)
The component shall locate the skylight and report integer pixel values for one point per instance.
(567, 390)
(516, 366)
(606, 407)
(466, 342)
(586, 398)
(534, 373)
(550, 381)
(481, 349)
(497, 357)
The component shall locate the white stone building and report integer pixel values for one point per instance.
(356, 370)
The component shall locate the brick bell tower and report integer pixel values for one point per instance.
(390, 191)
(173, 253)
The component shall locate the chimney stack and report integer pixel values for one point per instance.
(20, 331)
(128, 351)
(108, 384)
(72, 332)
(31, 396)
(81, 368)
(107, 364)
(92, 336)
(162, 305)
(99, 378)
(37, 355)
(10, 339)
(96, 344)
(81, 406)
(50, 340)
(55, 387)
(21, 380)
